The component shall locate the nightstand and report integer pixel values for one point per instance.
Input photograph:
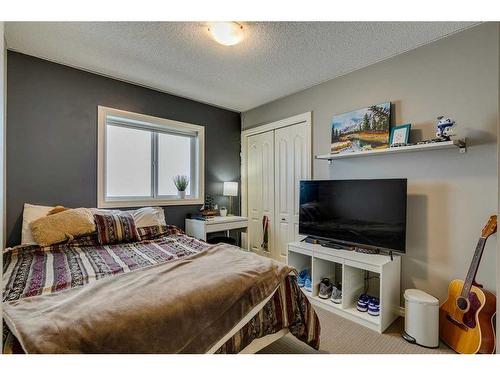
(200, 228)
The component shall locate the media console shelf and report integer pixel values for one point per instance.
(460, 144)
(351, 268)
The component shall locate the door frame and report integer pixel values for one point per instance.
(294, 120)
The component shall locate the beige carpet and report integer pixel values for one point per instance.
(339, 335)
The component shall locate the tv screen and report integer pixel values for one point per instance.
(370, 213)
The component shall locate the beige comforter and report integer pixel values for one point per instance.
(183, 306)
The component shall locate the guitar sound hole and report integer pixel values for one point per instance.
(462, 303)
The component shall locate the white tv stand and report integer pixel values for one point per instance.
(351, 268)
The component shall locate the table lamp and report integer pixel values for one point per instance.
(230, 190)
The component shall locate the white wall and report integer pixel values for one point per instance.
(450, 195)
(498, 215)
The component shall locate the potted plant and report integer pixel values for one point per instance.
(181, 182)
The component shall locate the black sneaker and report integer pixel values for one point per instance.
(325, 288)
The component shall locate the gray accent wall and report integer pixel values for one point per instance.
(52, 135)
(3, 95)
(451, 195)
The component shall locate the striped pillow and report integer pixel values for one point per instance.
(154, 231)
(115, 228)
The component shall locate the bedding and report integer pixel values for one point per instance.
(31, 212)
(62, 226)
(156, 295)
(116, 228)
(58, 209)
(143, 217)
(148, 216)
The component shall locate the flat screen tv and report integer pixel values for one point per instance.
(364, 213)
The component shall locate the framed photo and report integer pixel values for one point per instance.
(400, 134)
(366, 128)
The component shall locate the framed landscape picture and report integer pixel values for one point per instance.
(366, 128)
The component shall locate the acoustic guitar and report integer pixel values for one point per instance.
(466, 317)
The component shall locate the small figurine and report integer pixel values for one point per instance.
(209, 202)
(445, 128)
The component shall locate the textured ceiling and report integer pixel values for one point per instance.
(274, 59)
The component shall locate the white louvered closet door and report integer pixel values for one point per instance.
(292, 157)
(260, 181)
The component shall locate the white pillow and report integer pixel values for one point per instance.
(31, 212)
(148, 216)
(143, 217)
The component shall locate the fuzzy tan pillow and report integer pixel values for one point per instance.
(58, 209)
(62, 226)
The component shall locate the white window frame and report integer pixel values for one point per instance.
(136, 120)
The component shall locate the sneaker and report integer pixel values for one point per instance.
(301, 279)
(362, 304)
(337, 294)
(308, 284)
(374, 306)
(325, 288)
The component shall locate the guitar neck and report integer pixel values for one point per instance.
(471, 275)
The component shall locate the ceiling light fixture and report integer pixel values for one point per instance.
(226, 33)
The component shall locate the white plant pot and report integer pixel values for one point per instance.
(181, 194)
(223, 212)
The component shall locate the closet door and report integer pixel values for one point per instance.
(292, 163)
(260, 167)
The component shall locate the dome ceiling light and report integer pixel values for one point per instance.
(226, 33)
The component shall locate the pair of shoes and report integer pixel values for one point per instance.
(363, 301)
(337, 294)
(325, 288)
(368, 304)
(301, 278)
(304, 280)
(308, 285)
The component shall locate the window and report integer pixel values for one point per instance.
(139, 155)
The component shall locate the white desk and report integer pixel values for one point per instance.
(200, 228)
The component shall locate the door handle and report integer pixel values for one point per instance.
(283, 219)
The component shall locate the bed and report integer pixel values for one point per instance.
(167, 293)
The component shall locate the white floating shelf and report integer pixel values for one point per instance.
(460, 144)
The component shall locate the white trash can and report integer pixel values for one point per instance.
(421, 318)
